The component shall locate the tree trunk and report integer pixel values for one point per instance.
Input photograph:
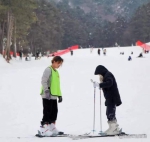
(15, 47)
(8, 28)
(3, 39)
(2, 36)
(9, 35)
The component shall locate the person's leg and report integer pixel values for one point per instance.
(112, 121)
(46, 111)
(111, 112)
(44, 129)
(53, 117)
(54, 111)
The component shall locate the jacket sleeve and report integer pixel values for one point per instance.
(46, 79)
(108, 83)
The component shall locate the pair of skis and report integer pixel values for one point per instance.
(75, 137)
(88, 135)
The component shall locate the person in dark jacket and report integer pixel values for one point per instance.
(98, 51)
(140, 55)
(112, 97)
(129, 58)
(20, 54)
(37, 55)
(71, 51)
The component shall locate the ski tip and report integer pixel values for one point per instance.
(37, 135)
(60, 133)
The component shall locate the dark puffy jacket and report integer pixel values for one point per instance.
(109, 86)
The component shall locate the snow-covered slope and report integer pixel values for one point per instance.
(21, 104)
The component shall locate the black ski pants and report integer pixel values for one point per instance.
(111, 112)
(50, 110)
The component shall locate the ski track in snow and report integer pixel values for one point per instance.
(21, 104)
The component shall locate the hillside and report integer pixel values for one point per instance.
(107, 9)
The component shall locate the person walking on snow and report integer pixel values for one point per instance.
(20, 54)
(112, 98)
(50, 91)
(99, 51)
(71, 51)
(104, 51)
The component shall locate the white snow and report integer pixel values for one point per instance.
(21, 104)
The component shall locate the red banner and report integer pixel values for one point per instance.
(145, 46)
(59, 52)
(11, 53)
(65, 51)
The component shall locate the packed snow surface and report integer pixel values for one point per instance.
(21, 104)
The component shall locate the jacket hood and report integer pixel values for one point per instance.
(100, 70)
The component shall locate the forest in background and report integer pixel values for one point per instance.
(31, 25)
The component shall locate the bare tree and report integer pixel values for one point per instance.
(10, 22)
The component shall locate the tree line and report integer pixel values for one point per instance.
(32, 25)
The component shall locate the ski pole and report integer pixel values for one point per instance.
(100, 114)
(94, 112)
(94, 108)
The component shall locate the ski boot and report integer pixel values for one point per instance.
(44, 131)
(113, 128)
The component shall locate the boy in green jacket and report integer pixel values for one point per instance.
(50, 91)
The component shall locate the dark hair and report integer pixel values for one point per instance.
(57, 59)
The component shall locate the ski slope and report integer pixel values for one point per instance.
(21, 104)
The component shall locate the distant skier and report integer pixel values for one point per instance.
(71, 51)
(40, 55)
(26, 58)
(20, 54)
(129, 58)
(132, 52)
(99, 51)
(146, 51)
(140, 55)
(122, 53)
(30, 55)
(37, 55)
(50, 91)
(104, 51)
(112, 97)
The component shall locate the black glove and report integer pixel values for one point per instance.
(60, 99)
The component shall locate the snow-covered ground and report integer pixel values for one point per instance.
(21, 104)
